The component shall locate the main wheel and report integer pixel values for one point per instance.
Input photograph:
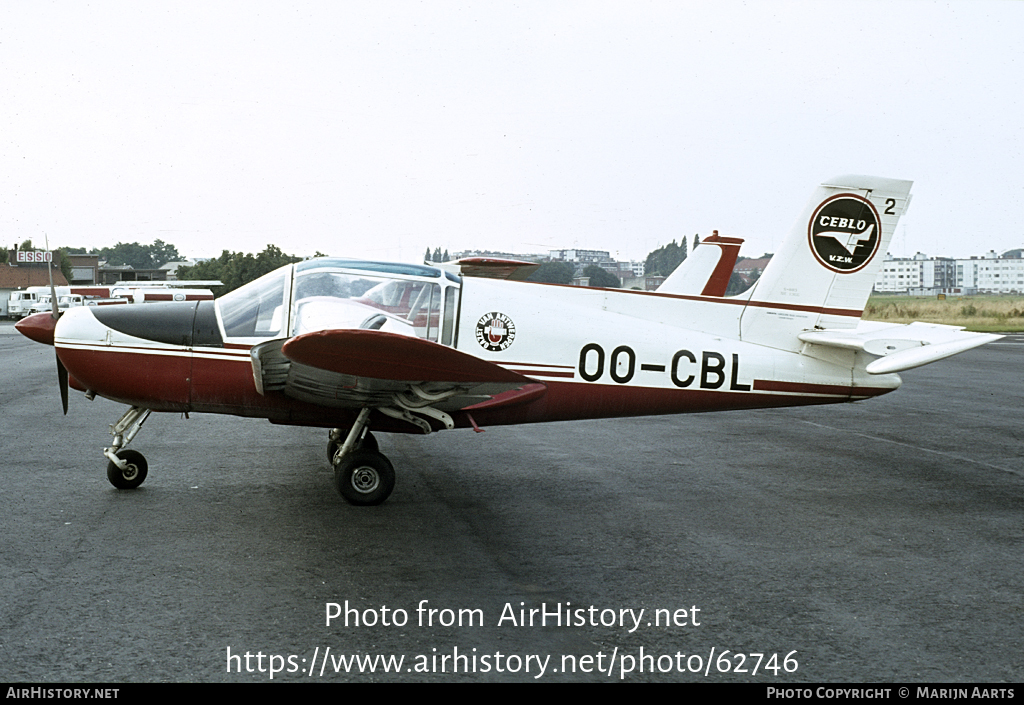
(365, 477)
(134, 473)
(368, 443)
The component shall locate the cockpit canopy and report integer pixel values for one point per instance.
(331, 293)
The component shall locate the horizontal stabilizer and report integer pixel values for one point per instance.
(492, 268)
(900, 347)
(388, 356)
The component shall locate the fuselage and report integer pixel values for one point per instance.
(591, 353)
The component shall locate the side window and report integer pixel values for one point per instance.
(451, 307)
(425, 309)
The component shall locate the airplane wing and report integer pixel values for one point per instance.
(402, 376)
(900, 347)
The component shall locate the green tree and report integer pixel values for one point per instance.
(601, 277)
(665, 259)
(137, 255)
(737, 285)
(553, 273)
(236, 268)
(64, 264)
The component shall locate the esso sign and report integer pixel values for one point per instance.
(31, 256)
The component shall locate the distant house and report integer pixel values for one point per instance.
(125, 273)
(652, 282)
(750, 269)
(85, 269)
(172, 268)
(16, 277)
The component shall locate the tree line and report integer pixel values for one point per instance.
(235, 269)
(133, 254)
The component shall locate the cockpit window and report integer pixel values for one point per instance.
(328, 298)
(332, 294)
(256, 309)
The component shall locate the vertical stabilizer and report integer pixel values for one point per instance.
(707, 270)
(823, 274)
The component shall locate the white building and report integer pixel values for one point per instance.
(990, 274)
(899, 274)
(580, 256)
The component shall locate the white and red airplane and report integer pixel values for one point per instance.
(358, 346)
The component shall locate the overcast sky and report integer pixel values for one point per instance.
(377, 129)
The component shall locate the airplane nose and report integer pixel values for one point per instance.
(39, 327)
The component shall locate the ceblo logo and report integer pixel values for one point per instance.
(32, 256)
(843, 233)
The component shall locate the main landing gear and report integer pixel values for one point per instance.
(362, 474)
(127, 469)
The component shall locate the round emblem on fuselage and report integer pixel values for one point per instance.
(844, 233)
(495, 331)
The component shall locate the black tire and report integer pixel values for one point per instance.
(365, 478)
(368, 443)
(133, 475)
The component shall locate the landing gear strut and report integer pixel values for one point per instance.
(127, 469)
(362, 475)
(368, 442)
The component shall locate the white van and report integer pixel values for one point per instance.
(20, 303)
(24, 303)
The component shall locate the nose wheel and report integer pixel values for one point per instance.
(132, 474)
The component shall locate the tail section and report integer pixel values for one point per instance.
(823, 274)
(707, 270)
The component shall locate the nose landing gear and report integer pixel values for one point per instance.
(127, 469)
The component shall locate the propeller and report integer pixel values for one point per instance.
(62, 372)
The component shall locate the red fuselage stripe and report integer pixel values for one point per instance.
(768, 385)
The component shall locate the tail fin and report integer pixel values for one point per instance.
(823, 274)
(707, 270)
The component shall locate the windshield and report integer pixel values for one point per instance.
(256, 309)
